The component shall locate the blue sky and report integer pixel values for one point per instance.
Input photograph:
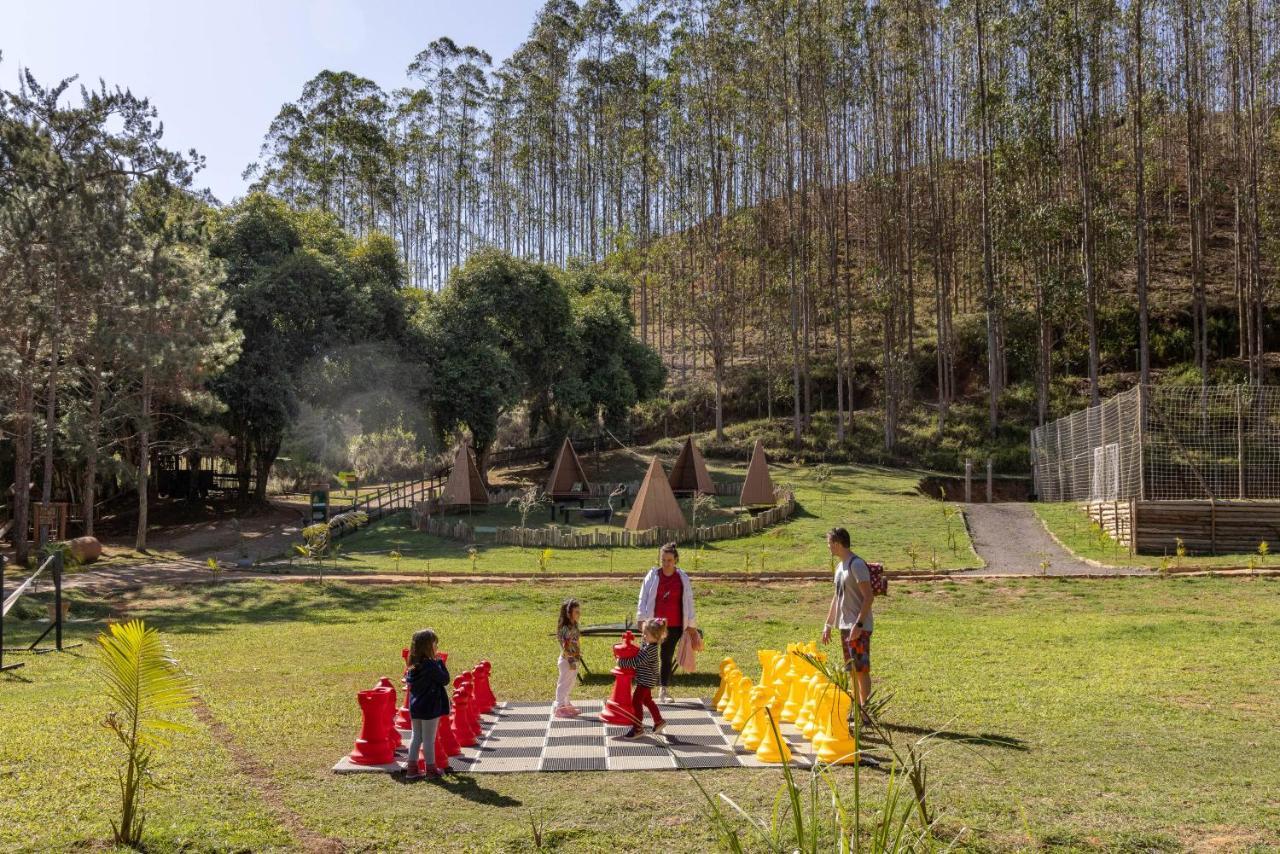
(218, 70)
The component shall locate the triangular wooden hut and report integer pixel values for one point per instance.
(689, 475)
(757, 489)
(568, 480)
(464, 487)
(655, 505)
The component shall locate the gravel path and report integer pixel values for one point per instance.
(1011, 539)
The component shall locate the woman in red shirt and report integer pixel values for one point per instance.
(667, 594)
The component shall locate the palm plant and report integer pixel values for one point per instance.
(144, 684)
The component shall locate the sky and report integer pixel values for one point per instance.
(219, 70)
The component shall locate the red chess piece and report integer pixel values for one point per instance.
(403, 719)
(461, 731)
(372, 746)
(393, 734)
(442, 755)
(473, 712)
(444, 732)
(477, 691)
(486, 691)
(618, 708)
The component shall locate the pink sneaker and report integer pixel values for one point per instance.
(573, 710)
(563, 712)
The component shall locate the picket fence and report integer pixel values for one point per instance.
(561, 538)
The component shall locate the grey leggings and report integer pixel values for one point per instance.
(424, 738)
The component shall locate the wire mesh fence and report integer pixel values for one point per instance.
(1164, 443)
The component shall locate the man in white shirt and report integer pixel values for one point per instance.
(850, 611)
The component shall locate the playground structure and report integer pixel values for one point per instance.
(655, 505)
(757, 489)
(689, 475)
(568, 480)
(1161, 464)
(465, 487)
(53, 565)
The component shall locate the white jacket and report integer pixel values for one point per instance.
(649, 592)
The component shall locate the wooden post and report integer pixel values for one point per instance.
(968, 479)
(1142, 454)
(1240, 442)
(989, 464)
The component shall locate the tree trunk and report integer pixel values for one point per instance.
(144, 462)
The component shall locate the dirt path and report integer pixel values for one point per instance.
(245, 762)
(1011, 539)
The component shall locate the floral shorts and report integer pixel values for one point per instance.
(857, 653)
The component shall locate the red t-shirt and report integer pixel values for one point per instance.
(669, 602)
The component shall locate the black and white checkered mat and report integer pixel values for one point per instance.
(526, 737)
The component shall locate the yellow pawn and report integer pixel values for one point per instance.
(821, 694)
(795, 698)
(780, 686)
(753, 732)
(839, 747)
(773, 747)
(728, 705)
(743, 708)
(821, 724)
(724, 673)
(810, 701)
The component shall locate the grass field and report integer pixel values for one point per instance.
(1135, 715)
(886, 515)
(1076, 531)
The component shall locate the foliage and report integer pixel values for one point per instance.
(144, 686)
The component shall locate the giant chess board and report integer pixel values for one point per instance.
(526, 737)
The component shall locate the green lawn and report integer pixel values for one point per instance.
(1134, 715)
(1076, 531)
(886, 515)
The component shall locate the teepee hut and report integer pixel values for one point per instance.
(568, 481)
(464, 488)
(689, 475)
(655, 505)
(757, 489)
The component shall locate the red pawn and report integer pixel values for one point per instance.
(372, 746)
(461, 732)
(444, 734)
(486, 692)
(442, 755)
(403, 719)
(468, 687)
(618, 709)
(393, 734)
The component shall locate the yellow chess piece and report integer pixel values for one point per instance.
(773, 746)
(839, 747)
(743, 707)
(795, 699)
(780, 686)
(725, 664)
(727, 704)
(811, 684)
(753, 732)
(822, 688)
(820, 728)
(766, 665)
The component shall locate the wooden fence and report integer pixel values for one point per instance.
(1205, 527)
(560, 538)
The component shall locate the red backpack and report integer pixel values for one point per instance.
(879, 583)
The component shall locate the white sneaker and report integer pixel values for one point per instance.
(664, 698)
